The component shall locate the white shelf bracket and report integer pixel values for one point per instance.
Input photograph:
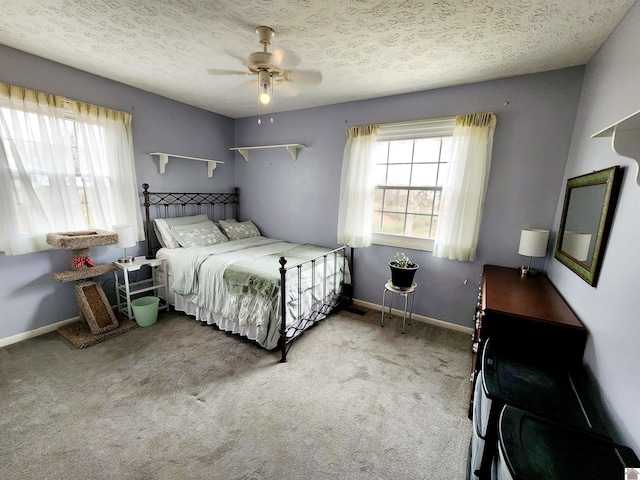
(627, 144)
(293, 150)
(244, 152)
(210, 168)
(625, 138)
(163, 159)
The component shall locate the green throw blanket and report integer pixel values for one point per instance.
(260, 275)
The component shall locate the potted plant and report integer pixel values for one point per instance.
(402, 271)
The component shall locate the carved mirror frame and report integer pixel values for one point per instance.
(601, 189)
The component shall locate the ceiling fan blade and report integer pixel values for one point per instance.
(311, 77)
(276, 57)
(289, 90)
(217, 71)
(240, 58)
(284, 58)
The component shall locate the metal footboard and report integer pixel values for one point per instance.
(331, 292)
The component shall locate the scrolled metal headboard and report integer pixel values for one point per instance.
(169, 204)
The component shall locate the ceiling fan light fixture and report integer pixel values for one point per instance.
(264, 97)
(270, 69)
(264, 83)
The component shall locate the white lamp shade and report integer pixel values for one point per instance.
(126, 236)
(576, 244)
(533, 242)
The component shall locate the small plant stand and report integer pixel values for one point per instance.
(405, 292)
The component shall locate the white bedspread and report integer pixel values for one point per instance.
(198, 278)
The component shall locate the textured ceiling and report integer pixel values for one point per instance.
(363, 49)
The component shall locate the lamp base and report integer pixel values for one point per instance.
(126, 260)
(528, 272)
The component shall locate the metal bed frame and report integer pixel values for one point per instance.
(168, 204)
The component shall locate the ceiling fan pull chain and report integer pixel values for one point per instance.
(273, 99)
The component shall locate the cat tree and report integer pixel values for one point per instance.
(92, 302)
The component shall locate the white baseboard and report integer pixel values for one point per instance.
(415, 316)
(41, 331)
(373, 306)
(35, 333)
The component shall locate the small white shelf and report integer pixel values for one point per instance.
(625, 138)
(127, 290)
(292, 148)
(164, 159)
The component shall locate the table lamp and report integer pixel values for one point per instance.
(533, 243)
(126, 239)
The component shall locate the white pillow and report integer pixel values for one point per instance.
(162, 227)
(238, 230)
(228, 220)
(204, 233)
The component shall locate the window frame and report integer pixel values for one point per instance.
(412, 130)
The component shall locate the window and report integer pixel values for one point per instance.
(414, 184)
(411, 164)
(64, 166)
(38, 172)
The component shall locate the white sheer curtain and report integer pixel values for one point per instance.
(37, 174)
(105, 155)
(464, 191)
(357, 187)
(51, 173)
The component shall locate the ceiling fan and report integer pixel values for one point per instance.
(267, 66)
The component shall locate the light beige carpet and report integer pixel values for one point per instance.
(177, 400)
(80, 335)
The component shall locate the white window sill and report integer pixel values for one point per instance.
(403, 242)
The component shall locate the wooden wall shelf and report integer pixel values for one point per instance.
(164, 159)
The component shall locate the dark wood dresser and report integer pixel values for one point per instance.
(526, 311)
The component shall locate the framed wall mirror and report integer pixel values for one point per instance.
(587, 214)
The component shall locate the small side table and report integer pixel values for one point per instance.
(405, 292)
(126, 289)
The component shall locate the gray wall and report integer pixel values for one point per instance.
(298, 200)
(610, 311)
(29, 297)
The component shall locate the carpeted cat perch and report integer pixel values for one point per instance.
(95, 311)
